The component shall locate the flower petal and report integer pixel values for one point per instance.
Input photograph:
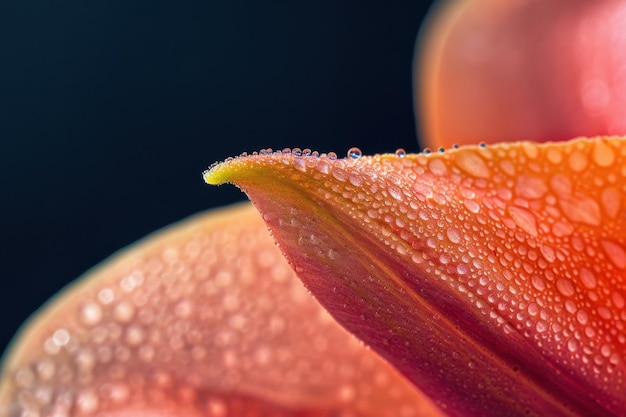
(532, 70)
(492, 277)
(205, 318)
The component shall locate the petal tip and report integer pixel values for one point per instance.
(217, 174)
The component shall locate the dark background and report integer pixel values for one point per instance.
(110, 111)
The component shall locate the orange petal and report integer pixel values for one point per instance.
(205, 318)
(492, 277)
(521, 70)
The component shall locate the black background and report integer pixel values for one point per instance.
(110, 111)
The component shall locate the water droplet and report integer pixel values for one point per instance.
(524, 219)
(354, 179)
(339, 174)
(611, 201)
(354, 153)
(401, 153)
(437, 167)
(538, 283)
(561, 184)
(555, 155)
(581, 209)
(90, 314)
(462, 269)
(547, 252)
(530, 187)
(395, 192)
(45, 370)
(541, 326)
(618, 300)
(217, 408)
(262, 355)
(565, 287)
(572, 345)
(582, 316)
(332, 155)
(86, 401)
(561, 229)
(124, 312)
(577, 161)
(472, 206)
(588, 278)
(135, 335)
(570, 306)
(604, 312)
(61, 337)
(468, 161)
(603, 154)
(453, 235)
(615, 252)
(106, 296)
(85, 360)
(118, 393)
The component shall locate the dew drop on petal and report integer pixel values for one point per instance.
(541, 326)
(453, 234)
(106, 296)
(524, 219)
(471, 163)
(86, 401)
(354, 153)
(577, 161)
(124, 312)
(611, 201)
(437, 167)
(61, 337)
(395, 192)
(588, 278)
(530, 187)
(472, 206)
(401, 153)
(581, 209)
(618, 300)
(603, 154)
(538, 283)
(565, 287)
(90, 314)
(615, 252)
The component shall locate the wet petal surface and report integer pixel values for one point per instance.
(493, 277)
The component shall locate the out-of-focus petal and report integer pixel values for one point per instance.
(205, 318)
(492, 277)
(489, 70)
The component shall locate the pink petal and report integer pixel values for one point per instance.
(205, 318)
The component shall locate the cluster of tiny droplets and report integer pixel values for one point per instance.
(194, 325)
(544, 220)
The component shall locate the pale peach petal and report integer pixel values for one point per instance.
(204, 318)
